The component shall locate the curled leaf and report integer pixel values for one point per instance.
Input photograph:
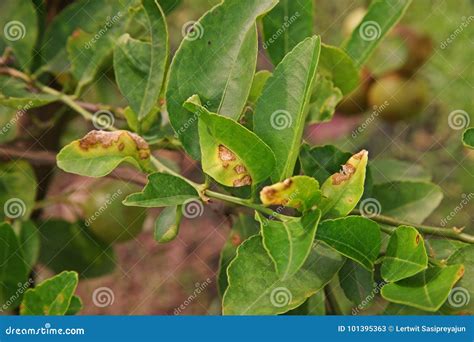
(167, 224)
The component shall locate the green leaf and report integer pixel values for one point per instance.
(405, 255)
(468, 138)
(390, 170)
(167, 224)
(313, 306)
(461, 298)
(256, 289)
(71, 246)
(140, 66)
(300, 192)
(75, 306)
(231, 154)
(443, 248)
(13, 268)
(218, 67)
(243, 227)
(356, 237)
(19, 95)
(343, 190)
(323, 101)
(381, 16)
(30, 243)
(162, 190)
(146, 124)
(282, 108)
(16, 199)
(9, 118)
(259, 80)
(321, 162)
(336, 64)
(287, 24)
(289, 243)
(356, 282)
(427, 290)
(52, 297)
(169, 5)
(19, 24)
(100, 152)
(408, 201)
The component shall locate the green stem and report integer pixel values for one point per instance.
(452, 233)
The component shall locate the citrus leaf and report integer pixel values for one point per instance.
(336, 64)
(259, 80)
(169, 5)
(390, 170)
(256, 289)
(218, 67)
(162, 190)
(356, 282)
(51, 297)
(356, 237)
(167, 224)
(300, 192)
(282, 108)
(19, 95)
(140, 66)
(100, 152)
(75, 306)
(13, 268)
(405, 255)
(313, 306)
(408, 201)
(287, 24)
(231, 154)
(323, 101)
(381, 16)
(443, 248)
(427, 290)
(321, 162)
(468, 138)
(9, 118)
(30, 243)
(343, 190)
(289, 243)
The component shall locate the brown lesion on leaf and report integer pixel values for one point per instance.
(345, 174)
(359, 155)
(417, 239)
(225, 155)
(245, 180)
(461, 272)
(235, 240)
(240, 169)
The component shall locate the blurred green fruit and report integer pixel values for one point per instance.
(400, 97)
(106, 216)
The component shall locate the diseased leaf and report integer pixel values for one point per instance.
(427, 290)
(140, 66)
(218, 67)
(468, 138)
(231, 154)
(356, 237)
(13, 268)
(381, 16)
(281, 110)
(324, 100)
(336, 64)
(255, 288)
(167, 224)
(289, 243)
(390, 170)
(52, 297)
(408, 201)
(75, 306)
(162, 190)
(356, 281)
(299, 192)
(343, 190)
(405, 255)
(100, 152)
(72, 247)
(21, 96)
(243, 227)
(321, 162)
(287, 24)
